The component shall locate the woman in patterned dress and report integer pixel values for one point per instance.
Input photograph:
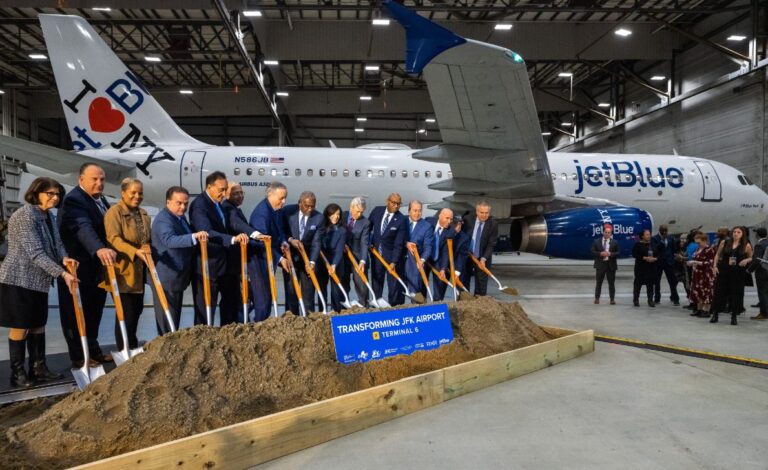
(703, 279)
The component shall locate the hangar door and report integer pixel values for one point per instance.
(713, 191)
(191, 170)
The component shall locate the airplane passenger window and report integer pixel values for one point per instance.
(415, 173)
(405, 173)
(393, 173)
(554, 176)
(261, 171)
(381, 173)
(273, 172)
(297, 172)
(237, 171)
(334, 172)
(369, 173)
(322, 173)
(310, 172)
(573, 176)
(427, 174)
(439, 174)
(345, 172)
(564, 176)
(285, 172)
(248, 171)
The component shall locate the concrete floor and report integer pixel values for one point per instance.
(619, 406)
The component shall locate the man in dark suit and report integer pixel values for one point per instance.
(664, 247)
(231, 304)
(605, 250)
(81, 224)
(266, 220)
(173, 248)
(761, 272)
(441, 229)
(358, 229)
(483, 231)
(421, 236)
(207, 215)
(461, 247)
(388, 235)
(303, 225)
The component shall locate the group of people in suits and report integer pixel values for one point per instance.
(333, 247)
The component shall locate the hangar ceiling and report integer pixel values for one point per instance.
(328, 53)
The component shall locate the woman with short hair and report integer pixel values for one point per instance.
(128, 230)
(703, 279)
(35, 258)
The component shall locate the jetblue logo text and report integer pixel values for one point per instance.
(626, 175)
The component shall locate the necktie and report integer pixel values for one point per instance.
(476, 240)
(185, 225)
(436, 252)
(412, 227)
(101, 206)
(221, 213)
(350, 224)
(386, 222)
(302, 225)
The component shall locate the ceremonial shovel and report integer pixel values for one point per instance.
(453, 270)
(244, 279)
(158, 287)
(295, 280)
(84, 375)
(420, 267)
(506, 290)
(206, 282)
(346, 303)
(313, 278)
(272, 286)
(463, 295)
(417, 297)
(380, 302)
(124, 355)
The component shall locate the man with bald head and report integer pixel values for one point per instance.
(389, 232)
(441, 228)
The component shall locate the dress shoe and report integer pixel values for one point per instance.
(733, 320)
(635, 303)
(715, 318)
(703, 314)
(696, 313)
(676, 303)
(690, 307)
(597, 301)
(102, 358)
(759, 317)
(91, 363)
(613, 302)
(651, 303)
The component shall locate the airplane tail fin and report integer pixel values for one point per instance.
(105, 104)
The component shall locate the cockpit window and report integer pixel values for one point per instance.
(742, 180)
(749, 181)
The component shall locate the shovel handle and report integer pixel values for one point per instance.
(115, 292)
(270, 273)
(206, 279)
(156, 280)
(79, 317)
(437, 275)
(328, 267)
(310, 271)
(389, 268)
(480, 265)
(450, 261)
(419, 266)
(244, 272)
(354, 263)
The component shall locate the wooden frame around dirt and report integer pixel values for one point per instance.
(269, 437)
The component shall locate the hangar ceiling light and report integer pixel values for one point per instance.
(101, 9)
(623, 32)
(503, 27)
(38, 56)
(736, 37)
(252, 13)
(429, 120)
(2, 92)
(380, 21)
(546, 133)
(271, 62)
(150, 58)
(421, 131)
(658, 78)
(604, 105)
(365, 98)
(566, 124)
(186, 92)
(359, 129)
(565, 74)
(282, 93)
(371, 68)
(362, 119)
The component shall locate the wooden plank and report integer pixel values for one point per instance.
(262, 439)
(475, 375)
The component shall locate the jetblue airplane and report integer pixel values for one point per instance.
(492, 150)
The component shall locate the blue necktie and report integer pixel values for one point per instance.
(221, 213)
(386, 222)
(185, 225)
(437, 244)
(476, 240)
(302, 225)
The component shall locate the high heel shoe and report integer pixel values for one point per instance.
(715, 318)
(733, 319)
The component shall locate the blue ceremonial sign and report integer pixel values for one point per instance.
(367, 336)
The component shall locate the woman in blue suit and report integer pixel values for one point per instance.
(333, 247)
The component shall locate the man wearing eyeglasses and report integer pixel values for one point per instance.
(389, 233)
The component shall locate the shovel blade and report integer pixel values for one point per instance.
(86, 375)
(509, 290)
(418, 297)
(121, 357)
(382, 303)
(355, 303)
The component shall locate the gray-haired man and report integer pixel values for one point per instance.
(358, 239)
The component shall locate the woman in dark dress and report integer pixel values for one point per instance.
(645, 268)
(332, 246)
(35, 258)
(703, 278)
(732, 257)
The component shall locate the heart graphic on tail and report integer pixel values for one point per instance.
(103, 118)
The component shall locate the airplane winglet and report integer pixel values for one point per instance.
(425, 40)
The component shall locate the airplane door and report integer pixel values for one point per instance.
(191, 171)
(713, 191)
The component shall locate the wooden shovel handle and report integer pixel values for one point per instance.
(437, 274)
(328, 267)
(272, 286)
(354, 263)
(244, 271)
(450, 261)
(79, 317)
(384, 262)
(115, 292)
(310, 271)
(155, 281)
(206, 280)
(417, 260)
(480, 265)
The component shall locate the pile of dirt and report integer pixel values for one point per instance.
(203, 378)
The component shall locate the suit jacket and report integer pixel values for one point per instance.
(461, 243)
(124, 236)
(313, 232)
(173, 250)
(758, 267)
(665, 254)
(204, 217)
(333, 245)
(34, 253)
(267, 221)
(358, 239)
(613, 248)
(423, 236)
(488, 238)
(442, 262)
(237, 224)
(81, 226)
(391, 242)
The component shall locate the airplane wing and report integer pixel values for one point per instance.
(485, 110)
(57, 160)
